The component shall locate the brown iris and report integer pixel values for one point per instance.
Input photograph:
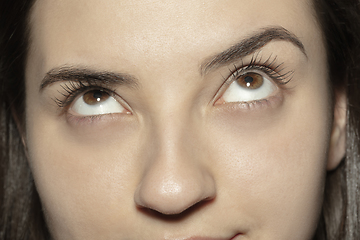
(250, 80)
(95, 96)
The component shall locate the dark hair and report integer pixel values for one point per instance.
(21, 213)
(340, 23)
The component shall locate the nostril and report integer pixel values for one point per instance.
(168, 199)
(177, 216)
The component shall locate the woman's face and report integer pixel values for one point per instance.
(178, 119)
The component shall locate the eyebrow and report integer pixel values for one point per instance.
(240, 50)
(71, 73)
(250, 45)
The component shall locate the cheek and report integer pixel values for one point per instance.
(83, 177)
(274, 163)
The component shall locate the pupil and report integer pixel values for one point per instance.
(97, 95)
(248, 79)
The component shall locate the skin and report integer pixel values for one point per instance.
(180, 162)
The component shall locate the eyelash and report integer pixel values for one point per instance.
(269, 67)
(71, 90)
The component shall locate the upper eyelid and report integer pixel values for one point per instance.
(255, 63)
(74, 91)
(268, 71)
(269, 66)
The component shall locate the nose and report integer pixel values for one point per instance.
(175, 177)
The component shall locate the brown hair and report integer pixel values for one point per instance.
(21, 214)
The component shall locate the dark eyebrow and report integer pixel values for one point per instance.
(250, 45)
(86, 75)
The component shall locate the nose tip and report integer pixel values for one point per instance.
(172, 190)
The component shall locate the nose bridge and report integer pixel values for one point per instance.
(172, 126)
(175, 177)
(171, 130)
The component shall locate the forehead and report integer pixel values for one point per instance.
(149, 33)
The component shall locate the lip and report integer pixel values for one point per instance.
(236, 236)
(210, 238)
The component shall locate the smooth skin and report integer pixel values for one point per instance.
(175, 159)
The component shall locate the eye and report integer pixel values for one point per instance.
(249, 86)
(96, 102)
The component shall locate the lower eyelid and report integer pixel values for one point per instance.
(267, 103)
(103, 119)
(86, 120)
